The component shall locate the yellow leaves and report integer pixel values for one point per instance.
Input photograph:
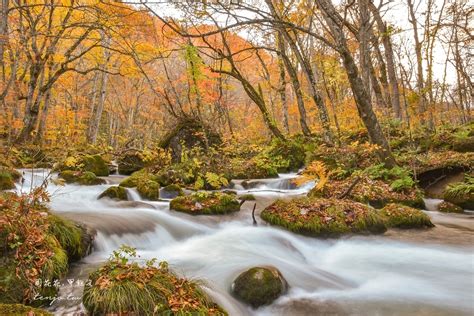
(70, 162)
(315, 171)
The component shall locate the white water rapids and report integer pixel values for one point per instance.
(401, 273)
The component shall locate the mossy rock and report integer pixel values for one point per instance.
(136, 177)
(80, 177)
(21, 310)
(124, 288)
(206, 203)
(189, 132)
(259, 286)
(320, 217)
(95, 164)
(377, 193)
(447, 207)
(171, 191)
(247, 197)
(130, 162)
(115, 193)
(252, 169)
(401, 216)
(8, 177)
(74, 238)
(149, 189)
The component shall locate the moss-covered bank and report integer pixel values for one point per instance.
(8, 177)
(122, 286)
(36, 247)
(22, 310)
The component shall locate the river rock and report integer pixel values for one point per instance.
(171, 191)
(448, 207)
(189, 133)
(115, 193)
(95, 164)
(80, 177)
(130, 163)
(259, 286)
(402, 216)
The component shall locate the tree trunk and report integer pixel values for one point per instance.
(95, 122)
(295, 83)
(389, 57)
(282, 92)
(360, 94)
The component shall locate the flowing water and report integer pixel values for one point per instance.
(401, 273)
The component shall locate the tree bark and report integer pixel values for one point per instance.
(360, 94)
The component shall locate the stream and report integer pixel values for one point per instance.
(428, 272)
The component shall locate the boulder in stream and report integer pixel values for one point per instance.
(95, 164)
(320, 217)
(115, 193)
(81, 177)
(149, 189)
(206, 203)
(402, 216)
(448, 207)
(259, 286)
(171, 191)
(130, 162)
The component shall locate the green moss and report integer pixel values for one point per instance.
(290, 150)
(259, 286)
(6, 181)
(149, 189)
(11, 286)
(115, 193)
(80, 177)
(173, 187)
(21, 310)
(447, 207)
(95, 164)
(136, 177)
(401, 216)
(247, 197)
(72, 237)
(123, 287)
(324, 217)
(206, 203)
(464, 144)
